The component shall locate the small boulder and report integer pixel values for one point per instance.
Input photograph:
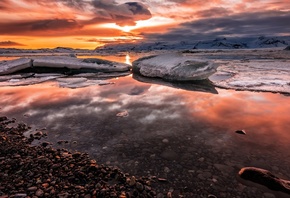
(242, 132)
(174, 67)
(265, 178)
(287, 48)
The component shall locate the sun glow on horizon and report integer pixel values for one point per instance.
(154, 21)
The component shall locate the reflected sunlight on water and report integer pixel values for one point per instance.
(8, 58)
(124, 58)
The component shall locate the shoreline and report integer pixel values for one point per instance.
(42, 171)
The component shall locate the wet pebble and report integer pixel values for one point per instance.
(39, 193)
(33, 188)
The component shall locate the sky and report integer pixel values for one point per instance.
(88, 24)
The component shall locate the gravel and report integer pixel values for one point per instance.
(42, 171)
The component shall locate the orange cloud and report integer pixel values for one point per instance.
(110, 18)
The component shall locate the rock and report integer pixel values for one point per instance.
(122, 114)
(287, 48)
(265, 178)
(165, 140)
(162, 180)
(20, 195)
(175, 67)
(33, 188)
(83, 65)
(44, 144)
(132, 181)
(139, 186)
(39, 193)
(12, 66)
(242, 132)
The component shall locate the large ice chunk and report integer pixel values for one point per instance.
(8, 67)
(90, 64)
(175, 67)
(62, 64)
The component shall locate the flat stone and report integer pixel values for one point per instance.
(175, 67)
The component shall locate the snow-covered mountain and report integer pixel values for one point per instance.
(218, 43)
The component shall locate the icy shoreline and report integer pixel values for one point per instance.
(251, 69)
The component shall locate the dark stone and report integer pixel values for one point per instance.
(265, 178)
(287, 48)
(44, 144)
(242, 132)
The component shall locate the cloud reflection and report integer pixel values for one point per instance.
(263, 115)
(164, 127)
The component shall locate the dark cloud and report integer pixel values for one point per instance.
(49, 25)
(74, 3)
(245, 24)
(213, 12)
(121, 14)
(97, 12)
(10, 43)
(54, 24)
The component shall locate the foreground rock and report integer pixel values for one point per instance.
(12, 66)
(265, 178)
(175, 67)
(287, 48)
(61, 64)
(41, 171)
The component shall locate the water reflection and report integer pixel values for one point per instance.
(201, 85)
(127, 59)
(184, 136)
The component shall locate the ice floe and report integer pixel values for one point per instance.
(175, 67)
(61, 64)
(9, 67)
(256, 75)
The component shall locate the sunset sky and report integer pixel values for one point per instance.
(92, 23)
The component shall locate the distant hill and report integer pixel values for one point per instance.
(218, 43)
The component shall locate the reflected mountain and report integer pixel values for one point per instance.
(199, 85)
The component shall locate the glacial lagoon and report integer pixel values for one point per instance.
(184, 134)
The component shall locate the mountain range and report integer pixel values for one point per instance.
(218, 43)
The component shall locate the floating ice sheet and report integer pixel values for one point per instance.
(256, 75)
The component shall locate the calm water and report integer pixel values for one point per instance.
(187, 137)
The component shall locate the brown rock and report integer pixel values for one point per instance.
(265, 178)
